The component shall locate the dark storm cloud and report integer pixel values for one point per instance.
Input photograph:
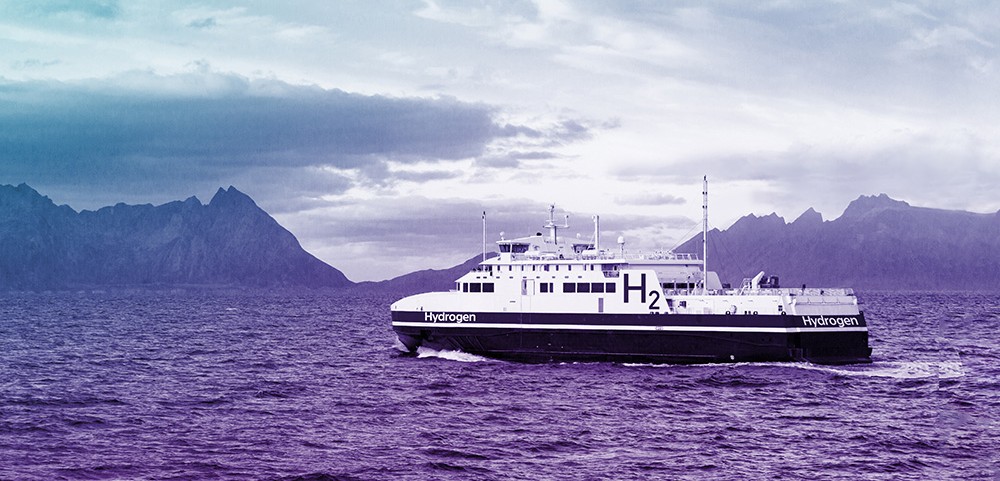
(208, 127)
(53, 123)
(99, 9)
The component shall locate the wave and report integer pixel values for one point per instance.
(896, 370)
(424, 352)
(399, 346)
(887, 369)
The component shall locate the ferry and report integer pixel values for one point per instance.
(546, 298)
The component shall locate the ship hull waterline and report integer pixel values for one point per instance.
(642, 338)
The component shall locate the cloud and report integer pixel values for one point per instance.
(207, 22)
(204, 125)
(649, 198)
(246, 122)
(395, 235)
(922, 167)
(100, 9)
(512, 159)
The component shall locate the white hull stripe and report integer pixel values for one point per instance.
(584, 327)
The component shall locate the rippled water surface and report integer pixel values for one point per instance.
(309, 386)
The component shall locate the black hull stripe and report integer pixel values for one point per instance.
(635, 322)
(598, 327)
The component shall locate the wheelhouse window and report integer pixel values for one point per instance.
(583, 287)
(478, 287)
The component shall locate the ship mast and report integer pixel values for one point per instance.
(704, 237)
(552, 227)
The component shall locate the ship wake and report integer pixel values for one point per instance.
(425, 352)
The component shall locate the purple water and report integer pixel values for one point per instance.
(127, 386)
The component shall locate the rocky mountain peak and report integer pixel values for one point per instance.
(23, 198)
(866, 204)
(231, 198)
(230, 242)
(809, 217)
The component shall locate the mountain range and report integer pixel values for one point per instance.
(228, 242)
(878, 243)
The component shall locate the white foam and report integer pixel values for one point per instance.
(399, 345)
(459, 356)
(887, 369)
(897, 370)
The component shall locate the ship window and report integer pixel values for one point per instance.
(609, 287)
(504, 247)
(487, 287)
(569, 287)
(546, 267)
(475, 287)
(543, 287)
(519, 248)
(465, 287)
(583, 287)
(597, 287)
(682, 304)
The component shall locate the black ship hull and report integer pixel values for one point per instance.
(641, 338)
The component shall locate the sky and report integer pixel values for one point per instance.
(378, 132)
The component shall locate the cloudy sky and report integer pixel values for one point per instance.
(378, 132)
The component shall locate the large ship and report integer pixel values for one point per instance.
(548, 298)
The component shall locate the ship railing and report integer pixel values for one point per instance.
(773, 291)
(794, 291)
(608, 256)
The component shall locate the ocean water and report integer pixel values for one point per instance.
(310, 386)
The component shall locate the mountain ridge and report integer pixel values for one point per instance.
(228, 242)
(878, 243)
